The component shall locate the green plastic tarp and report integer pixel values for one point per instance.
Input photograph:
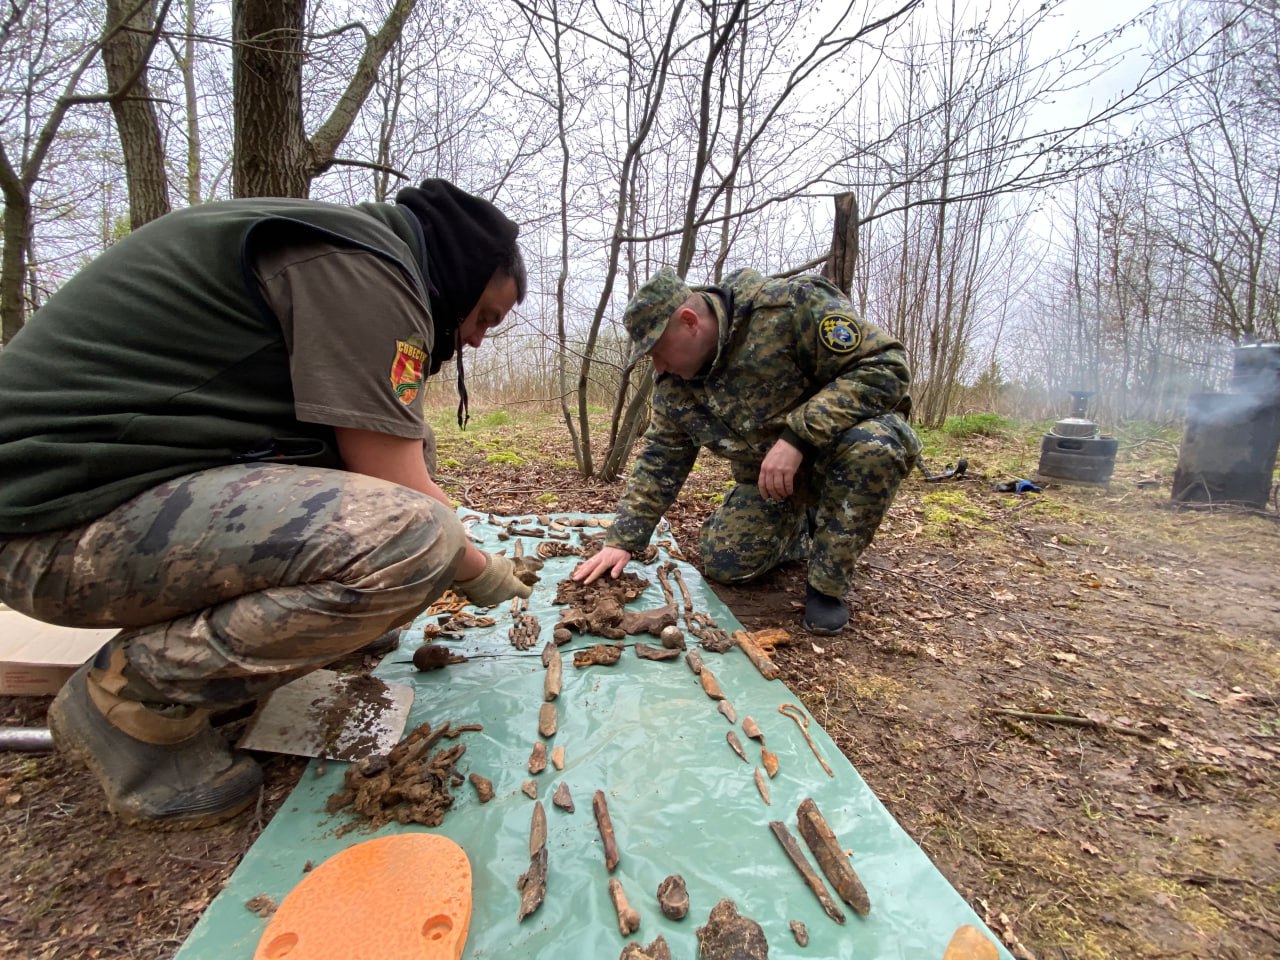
(681, 801)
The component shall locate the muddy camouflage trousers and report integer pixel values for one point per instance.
(231, 582)
(841, 497)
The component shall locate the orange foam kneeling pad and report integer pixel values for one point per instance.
(407, 895)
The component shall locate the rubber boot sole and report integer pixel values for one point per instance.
(73, 718)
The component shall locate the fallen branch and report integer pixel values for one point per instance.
(1069, 720)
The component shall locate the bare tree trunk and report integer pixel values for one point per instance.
(13, 259)
(272, 155)
(187, 63)
(125, 51)
(844, 244)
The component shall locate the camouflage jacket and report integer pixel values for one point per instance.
(794, 361)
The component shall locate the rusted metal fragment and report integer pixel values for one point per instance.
(736, 744)
(646, 652)
(537, 829)
(484, 787)
(770, 761)
(747, 644)
(831, 857)
(557, 758)
(555, 672)
(730, 714)
(672, 637)
(530, 789)
(628, 918)
(802, 721)
(533, 884)
(538, 758)
(562, 799)
(603, 821)
(729, 935)
(673, 897)
(801, 933)
(694, 660)
(709, 684)
(811, 878)
(600, 655)
(762, 786)
(751, 730)
(547, 721)
(658, 950)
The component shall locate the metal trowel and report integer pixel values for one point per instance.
(336, 716)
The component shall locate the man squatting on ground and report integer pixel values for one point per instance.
(212, 438)
(807, 401)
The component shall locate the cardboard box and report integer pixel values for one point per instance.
(36, 658)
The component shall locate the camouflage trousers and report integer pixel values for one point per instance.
(228, 583)
(840, 499)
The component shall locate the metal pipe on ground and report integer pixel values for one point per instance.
(25, 740)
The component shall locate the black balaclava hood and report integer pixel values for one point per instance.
(464, 238)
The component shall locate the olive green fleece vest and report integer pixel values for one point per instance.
(161, 358)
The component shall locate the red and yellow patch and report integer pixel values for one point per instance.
(406, 369)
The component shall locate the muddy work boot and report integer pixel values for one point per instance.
(381, 646)
(824, 614)
(162, 767)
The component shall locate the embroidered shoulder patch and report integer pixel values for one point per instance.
(839, 334)
(406, 369)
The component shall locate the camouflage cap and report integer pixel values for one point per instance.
(647, 314)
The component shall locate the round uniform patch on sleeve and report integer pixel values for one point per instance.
(839, 333)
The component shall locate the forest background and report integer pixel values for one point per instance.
(1031, 204)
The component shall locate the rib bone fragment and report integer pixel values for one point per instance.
(709, 685)
(628, 918)
(814, 882)
(562, 799)
(538, 758)
(547, 720)
(736, 744)
(601, 808)
(762, 786)
(555, 672)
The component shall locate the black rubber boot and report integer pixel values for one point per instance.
(381, 646)
(160, 772)
(823, 614)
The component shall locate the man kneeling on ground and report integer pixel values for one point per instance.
(806, 400)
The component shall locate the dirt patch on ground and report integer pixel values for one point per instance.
(1148, 827)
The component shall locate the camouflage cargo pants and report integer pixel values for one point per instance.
(848, 488)
(230, 582)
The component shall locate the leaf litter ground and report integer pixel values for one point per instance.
(1139, 819)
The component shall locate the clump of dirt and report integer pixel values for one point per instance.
(404, 786)
(358, 704)
(729, 935)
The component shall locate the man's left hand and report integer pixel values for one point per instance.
(778, 472)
